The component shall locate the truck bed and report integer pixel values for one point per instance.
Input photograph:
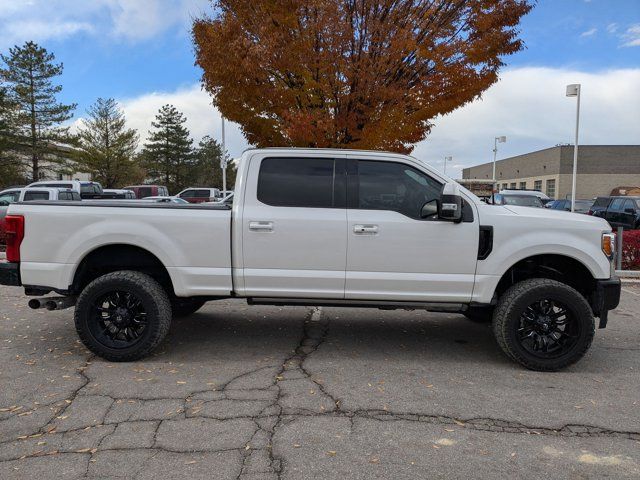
(192, 241)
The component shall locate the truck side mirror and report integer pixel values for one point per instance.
(450, 203)
(429, 209)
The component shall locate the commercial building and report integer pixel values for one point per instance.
(601, 168)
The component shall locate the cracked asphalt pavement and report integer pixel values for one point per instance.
(239, 392)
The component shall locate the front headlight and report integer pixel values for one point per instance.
(609, 245)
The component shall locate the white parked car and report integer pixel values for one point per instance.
(86, 189)
(321, 227)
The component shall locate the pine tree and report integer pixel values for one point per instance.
(10, 173)
(107, 146)
(28, 72)
(168, 152)
(207, 171)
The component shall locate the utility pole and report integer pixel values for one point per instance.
(573, 90)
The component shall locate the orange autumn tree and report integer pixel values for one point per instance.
(351, 73)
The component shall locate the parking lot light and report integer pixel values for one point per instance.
(446, 159)
(573, 90)
(496, 140)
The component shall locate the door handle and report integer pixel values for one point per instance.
(261, 226)
(365, 229)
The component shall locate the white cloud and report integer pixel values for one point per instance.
(202, 118)
(612, 28)
(631, 37)
(589, 33)
(529, 106)
(132, 20)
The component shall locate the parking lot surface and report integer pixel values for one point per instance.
(243, 392)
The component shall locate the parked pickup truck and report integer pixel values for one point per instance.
(320, 227)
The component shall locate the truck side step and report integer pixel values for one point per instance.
(318, 302)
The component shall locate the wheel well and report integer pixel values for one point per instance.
(556, 267)
(111, 258)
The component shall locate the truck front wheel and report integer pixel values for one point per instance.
(543, 324)
(122, 316)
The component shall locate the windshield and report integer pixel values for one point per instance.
(522, 200)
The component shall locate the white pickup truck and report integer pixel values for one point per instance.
(320, 227)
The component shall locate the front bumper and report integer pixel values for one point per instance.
(606, 297)
(10, 274)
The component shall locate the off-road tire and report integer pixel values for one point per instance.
(511, 305)
(183, 307)
(151, 294)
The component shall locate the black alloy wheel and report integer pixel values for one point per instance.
(120, 319)
(548, 329)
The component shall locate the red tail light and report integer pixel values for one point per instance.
(14, 231)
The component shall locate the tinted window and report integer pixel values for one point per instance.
(64, 196)
(202, 193)
(28, 196)
(616, 204)
(144, 192)
(75, 196)
(394, 186)
(601, 202)
(188, 194)
(296, 182)
(629, 204)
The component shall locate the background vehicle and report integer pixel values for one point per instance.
(320, 227)
(600, 204)
(115, 193)
(143, 191)
(508, 198)
(544, 198)
(85, 189)
(622, 212)
(581, 206)
(166, 200)
(200, 195)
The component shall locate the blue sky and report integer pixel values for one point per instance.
(139, 52)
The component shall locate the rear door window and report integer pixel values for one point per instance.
(35, 195)
(297, 182)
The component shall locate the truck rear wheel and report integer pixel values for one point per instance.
(122, 316)
(543, 324)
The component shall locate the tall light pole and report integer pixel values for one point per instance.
(573, 90)
(446, 159)
(496, 141)
(223, 163)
